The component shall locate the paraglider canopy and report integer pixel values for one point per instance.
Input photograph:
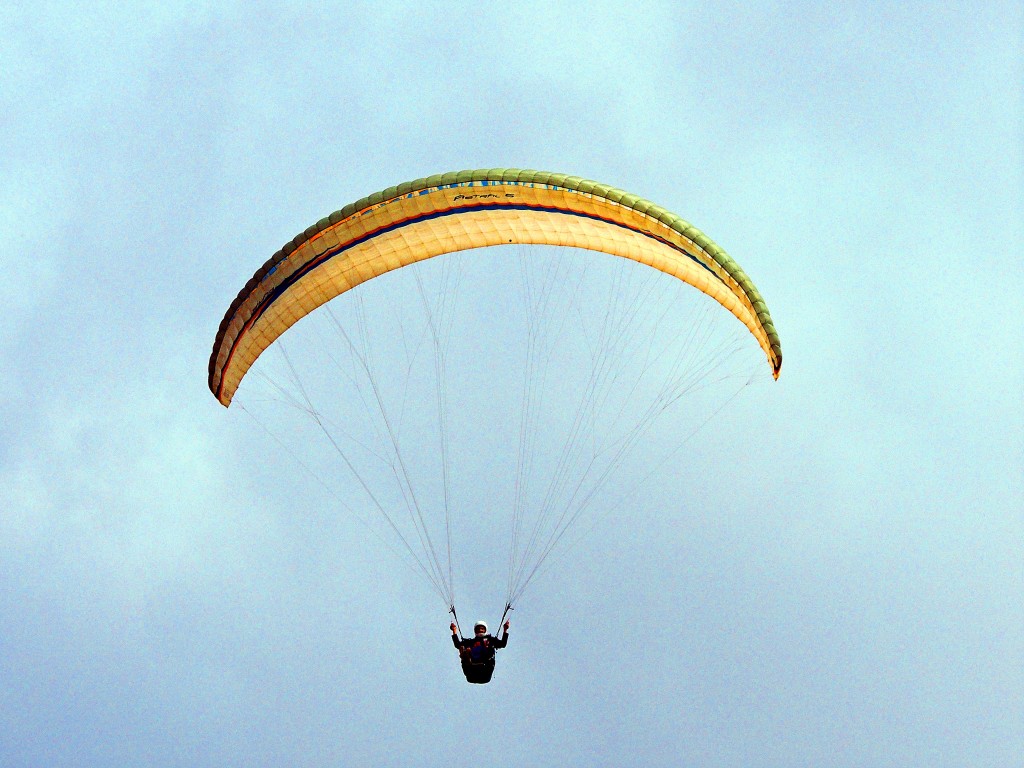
(471, 209)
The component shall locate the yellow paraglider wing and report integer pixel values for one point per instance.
(471, 209)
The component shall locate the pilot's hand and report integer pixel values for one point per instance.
(453, 627)
(507, 626)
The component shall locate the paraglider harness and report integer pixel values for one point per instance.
(477, 653)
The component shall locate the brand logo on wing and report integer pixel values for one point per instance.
(488, 196)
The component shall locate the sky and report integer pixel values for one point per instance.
(832, 576)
